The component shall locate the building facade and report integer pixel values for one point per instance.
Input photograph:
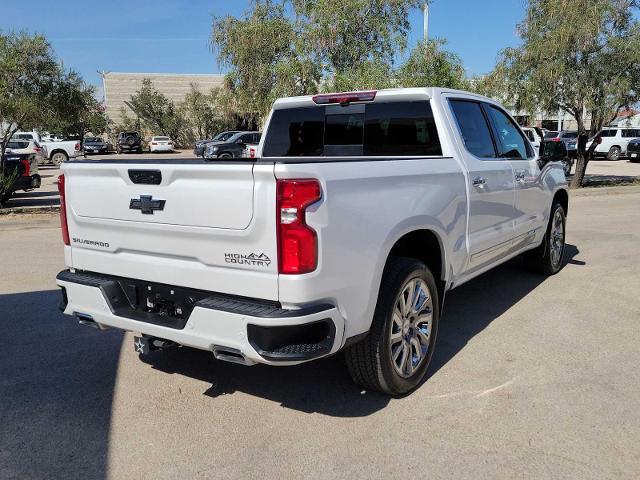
(119, 87)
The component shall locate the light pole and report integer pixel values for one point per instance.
(425, 20)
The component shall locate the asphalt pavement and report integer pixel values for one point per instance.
(533, 377)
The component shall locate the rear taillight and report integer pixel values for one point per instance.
(63, 211)
(26, 165)
(297, 241)
(37, 149)
(345, 98)
(252, 153)
(77, 147)
(555, 139)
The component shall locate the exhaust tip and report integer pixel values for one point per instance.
(88, 321)
(232, 355)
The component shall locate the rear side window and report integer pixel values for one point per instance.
(474, 128)
(609, 133)
(403, 128)
(295, 132)
(631, 133)
(393, 128)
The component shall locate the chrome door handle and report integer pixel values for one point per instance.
(479, 182)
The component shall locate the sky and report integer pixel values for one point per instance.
(171, 36)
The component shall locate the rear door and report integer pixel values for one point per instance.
(205, 225)
(491, 185)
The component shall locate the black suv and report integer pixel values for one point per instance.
(233, 146)
(129, 142)
(25, 166)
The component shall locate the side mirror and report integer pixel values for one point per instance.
(552, 151)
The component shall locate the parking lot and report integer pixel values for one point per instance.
(598, 172)
(533, 377)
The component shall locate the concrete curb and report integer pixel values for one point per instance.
(30, 210)
(604, 190)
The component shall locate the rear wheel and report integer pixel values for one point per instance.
(394, 357)
(225, 155)
(614, 153)
(58, 157)
(547, 258)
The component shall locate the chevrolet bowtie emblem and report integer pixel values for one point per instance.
(146, 204)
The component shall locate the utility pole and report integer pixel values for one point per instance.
(425, 13)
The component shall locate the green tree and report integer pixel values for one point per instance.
(430, 65)
(255, 48)
(208, 114)
(368, 75)
(29, 73)
(159, 114)
(582, 56)
(344, 34)
(76, 111)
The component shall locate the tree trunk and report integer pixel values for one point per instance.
(581, 161)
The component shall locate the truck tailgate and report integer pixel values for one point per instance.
(196, 224)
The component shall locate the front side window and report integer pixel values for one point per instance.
(630, 133)
(511, 143)
(473, 128)
(609, 133)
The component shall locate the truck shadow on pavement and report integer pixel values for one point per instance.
(324, 386)
(57, 382)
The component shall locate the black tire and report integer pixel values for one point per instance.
(225, 155)
(5, 197)
(614, 154)
(370, 361)
(541, 259)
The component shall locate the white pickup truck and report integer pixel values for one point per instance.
(359, 213)
(56, 152)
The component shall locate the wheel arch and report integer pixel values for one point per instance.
(426, 245)
(58, 150)
(562, 197)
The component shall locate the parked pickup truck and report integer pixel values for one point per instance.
(58, 152)
(360, 211)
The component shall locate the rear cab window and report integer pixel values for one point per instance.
(395, 128)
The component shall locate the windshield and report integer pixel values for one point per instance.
(221, 137)
(160, 139)
(24, 136)
(93, 140)
(570, 135)
(551, 135)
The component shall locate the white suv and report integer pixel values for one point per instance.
(359, 212)
(615, 141)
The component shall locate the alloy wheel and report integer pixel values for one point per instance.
(556, 238)
(410, 331)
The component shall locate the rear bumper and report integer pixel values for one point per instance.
(260, 331)
(26, 183)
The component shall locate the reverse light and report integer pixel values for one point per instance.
(297, 241)
(63, 210)
(345, 98)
